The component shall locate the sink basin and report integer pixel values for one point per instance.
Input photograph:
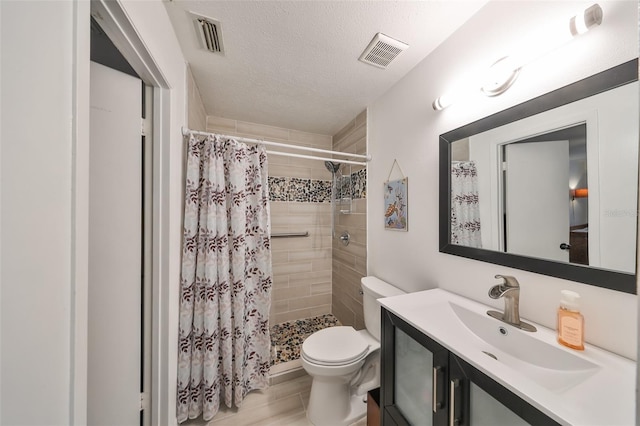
(549, 365)
(593, 387)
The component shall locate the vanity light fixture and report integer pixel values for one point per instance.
(504, 72)
(582, 22)
(500, 76)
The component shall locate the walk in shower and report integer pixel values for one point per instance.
(312, 287)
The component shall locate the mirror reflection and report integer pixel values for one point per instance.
(560, 185)
(530, 200)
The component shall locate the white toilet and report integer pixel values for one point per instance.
(345, 363)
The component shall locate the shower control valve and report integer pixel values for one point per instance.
(345, 238)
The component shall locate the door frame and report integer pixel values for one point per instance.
(116, 23)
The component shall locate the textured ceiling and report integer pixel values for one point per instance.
(294, 64)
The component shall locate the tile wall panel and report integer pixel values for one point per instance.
(349, 263)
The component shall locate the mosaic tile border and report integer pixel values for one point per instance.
(278, 189)
(359, 184)
(317, 191)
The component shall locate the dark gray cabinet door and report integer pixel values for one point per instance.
(478, 400)
(414, 376)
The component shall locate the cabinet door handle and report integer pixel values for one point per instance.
(435, 403)
(453, 421)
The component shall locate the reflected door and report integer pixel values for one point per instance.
(537, 199)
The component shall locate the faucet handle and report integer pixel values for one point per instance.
(509, 281)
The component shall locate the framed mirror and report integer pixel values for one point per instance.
(549, 186)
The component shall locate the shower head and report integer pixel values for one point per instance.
(331, 166)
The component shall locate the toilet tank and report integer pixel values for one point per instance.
(373, 289)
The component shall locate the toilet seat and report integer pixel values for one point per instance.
(335, 346)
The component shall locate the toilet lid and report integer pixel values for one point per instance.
(334, 345)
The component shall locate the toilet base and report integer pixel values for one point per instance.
(357, 411)
(358, 408)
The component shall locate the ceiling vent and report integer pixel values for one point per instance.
(382, 50)
(209, 32)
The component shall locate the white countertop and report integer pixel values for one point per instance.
(606, 397)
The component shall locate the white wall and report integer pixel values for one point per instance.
(38, 280)
(404, 126)
(44, 199)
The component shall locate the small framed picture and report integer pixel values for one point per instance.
(395, 204)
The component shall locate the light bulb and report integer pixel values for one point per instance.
(585, 19)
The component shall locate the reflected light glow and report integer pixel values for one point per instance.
(503, 73)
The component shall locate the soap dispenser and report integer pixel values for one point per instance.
(570, 321)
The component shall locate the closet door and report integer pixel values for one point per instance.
(115, 209)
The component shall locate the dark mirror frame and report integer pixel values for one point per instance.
(615, 77)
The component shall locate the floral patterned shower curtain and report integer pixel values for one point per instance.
(224, 343)
(465, 207)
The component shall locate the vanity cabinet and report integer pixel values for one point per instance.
(413, 375)
(422, 383)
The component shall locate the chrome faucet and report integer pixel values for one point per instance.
(510, 290)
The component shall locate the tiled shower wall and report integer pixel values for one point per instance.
(299, 202)
(350, 262)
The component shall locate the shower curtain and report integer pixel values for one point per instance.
(465, 206)
(226, 278)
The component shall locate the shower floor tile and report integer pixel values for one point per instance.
(287, 338)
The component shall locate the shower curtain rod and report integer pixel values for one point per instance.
(186, 131)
